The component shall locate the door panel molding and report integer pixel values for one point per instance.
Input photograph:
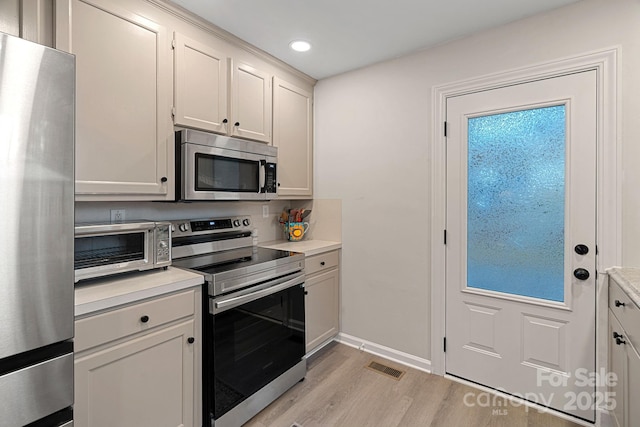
(608, 202)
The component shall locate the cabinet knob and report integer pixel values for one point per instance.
(225, 121)
(236, 124)
(144, 319)
(619, 338)
(321, 262)
(191, 340)
(618, 303)
(163, 179)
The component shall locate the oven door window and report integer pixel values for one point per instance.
(94, 251)
(218, 173)
(255, 343)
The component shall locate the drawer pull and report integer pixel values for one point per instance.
(618, 303)
(144, 319)
(191, 340)
(322, 263)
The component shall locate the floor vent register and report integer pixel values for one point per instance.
(385, 370)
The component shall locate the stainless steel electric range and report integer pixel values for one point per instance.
(253, 316)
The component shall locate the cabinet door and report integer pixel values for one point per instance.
(632, 388)
(292, 134)
(618, 366)
(200, 85)
(322, 308)
(250, 103)
(122, 104)
(144, 382)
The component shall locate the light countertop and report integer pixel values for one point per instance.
(307, 247)
(106, 293)
(629, 281)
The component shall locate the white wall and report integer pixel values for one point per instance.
(373, 143)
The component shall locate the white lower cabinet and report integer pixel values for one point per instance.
(141, 370)
(322, 300)
(624, 359)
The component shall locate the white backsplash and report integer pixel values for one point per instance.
(325, 219)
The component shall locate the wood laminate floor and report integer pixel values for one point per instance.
(340, 391)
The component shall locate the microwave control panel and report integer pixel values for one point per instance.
(270, 184)
(163, 243)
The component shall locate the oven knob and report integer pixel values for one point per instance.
(184, 227)
(236, 223)
(246, 222)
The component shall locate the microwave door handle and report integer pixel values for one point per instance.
(263, 176)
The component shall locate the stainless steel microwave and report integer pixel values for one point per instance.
(103, 249)
(216, 167)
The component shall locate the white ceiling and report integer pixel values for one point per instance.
(349, 34)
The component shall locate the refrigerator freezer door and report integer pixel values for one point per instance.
(37, 193)
(32, 393)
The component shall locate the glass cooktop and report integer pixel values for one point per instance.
(225, 261)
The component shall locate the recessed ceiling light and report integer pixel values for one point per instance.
(300, 45)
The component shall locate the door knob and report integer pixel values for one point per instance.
(581, 249)
(581, 274)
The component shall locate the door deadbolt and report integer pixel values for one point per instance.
(581, 249)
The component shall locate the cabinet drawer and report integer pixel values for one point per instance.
(109, 326)
(316, 263)
(628, 314)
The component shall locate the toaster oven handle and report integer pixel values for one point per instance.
(263, 176)
(228, 303)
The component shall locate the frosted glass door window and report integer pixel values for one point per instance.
(515, 204)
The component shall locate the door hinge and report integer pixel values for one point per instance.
(444, 344)
(173, 111)
(445, 237)
(596, 249)
(445, 129)
(173, 44)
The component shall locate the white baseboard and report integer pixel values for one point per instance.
(386, 352)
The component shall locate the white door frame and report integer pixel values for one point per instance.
(608, 204)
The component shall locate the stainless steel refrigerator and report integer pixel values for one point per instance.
(37, 89)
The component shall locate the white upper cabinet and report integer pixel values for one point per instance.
(200, 85)
(292, 134)
(250, 103)
(123, 136)
(144, 67)
(216, 93)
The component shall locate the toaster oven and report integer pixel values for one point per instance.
(103, 249)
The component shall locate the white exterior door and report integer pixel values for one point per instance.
(521, 240)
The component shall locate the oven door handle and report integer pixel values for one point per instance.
(226, 304)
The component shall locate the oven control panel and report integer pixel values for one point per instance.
(210, 226)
